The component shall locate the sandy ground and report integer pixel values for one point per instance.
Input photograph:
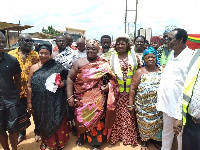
(30, 144)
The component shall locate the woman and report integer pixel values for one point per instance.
(124, 63)
(139, 43)
(143, 97)
(92, 87)
(47, 101)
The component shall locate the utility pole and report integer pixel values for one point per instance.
(135, 17)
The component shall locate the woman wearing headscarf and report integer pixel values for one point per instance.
(143, 97)
(155, 42)
(124, 64)
(47, 101)
(92, 89)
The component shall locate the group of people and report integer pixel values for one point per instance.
(127, 93)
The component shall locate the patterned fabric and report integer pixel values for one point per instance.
(97, 135)
(31, 59)
(66, 58)
(169, 28)
(149, 119)
(162, 50)
(58, 139)
(155, 39)
(89, 108)
(124, 128)
(107, 54)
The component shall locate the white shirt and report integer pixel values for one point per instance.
(80, 54)
(172, 83)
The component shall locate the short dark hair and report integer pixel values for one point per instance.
(105, 36)
(181, 33)
(125, 40)
(138, 37)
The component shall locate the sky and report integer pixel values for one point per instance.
(100, 17)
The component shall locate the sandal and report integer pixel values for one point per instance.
(43, 146)
(144, 146)
(96, 147)
(79, 143)
(37, 138)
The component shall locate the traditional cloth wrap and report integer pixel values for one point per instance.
(155, 39)
(150, 50)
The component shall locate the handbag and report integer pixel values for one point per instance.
(23, 117)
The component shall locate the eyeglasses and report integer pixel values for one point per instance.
(170, 39)
(27, 40)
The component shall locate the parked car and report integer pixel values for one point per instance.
(36, 42)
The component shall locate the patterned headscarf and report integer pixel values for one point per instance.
(155, 39)
(150, 50)
(169, 28)
(93, 42)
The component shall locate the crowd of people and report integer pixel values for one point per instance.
(134, 92)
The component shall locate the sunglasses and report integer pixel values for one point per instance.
(27, 40)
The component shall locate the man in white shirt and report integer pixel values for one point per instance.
(81, 52)
(171, 86)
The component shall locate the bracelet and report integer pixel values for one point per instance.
(130, 106)
(70, 97)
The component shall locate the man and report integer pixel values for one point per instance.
(70, 41)
(65, 55)
(10, 81)
(191, 105)
(171, 86)
(85, 84)
(163, 51)
(106, 50)
(81, 52)
(26, 58)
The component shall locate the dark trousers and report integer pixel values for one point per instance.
(23, 101)
(191, 135)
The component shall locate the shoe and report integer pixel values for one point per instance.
(21, 138)
(37, 138)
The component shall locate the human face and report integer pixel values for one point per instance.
(2, 43)
(69, 41)
(44, 55)
(150, 60)
(61, 42)
(91, 51)
(80, 46)
(105, 42)
(139, 44)
(121, 46)
(172, 41)
(26, 43)
(165, 37)
(155, 45)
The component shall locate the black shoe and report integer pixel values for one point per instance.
(21, 138)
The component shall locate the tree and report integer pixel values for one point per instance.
(50, 31)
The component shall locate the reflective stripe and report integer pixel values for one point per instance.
(186, 98)
(129, 77)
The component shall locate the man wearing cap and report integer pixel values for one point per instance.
(164, 51)
(10, 73)
(26, 58)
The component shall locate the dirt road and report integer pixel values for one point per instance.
(30, 144)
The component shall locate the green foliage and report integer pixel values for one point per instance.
(50, 31)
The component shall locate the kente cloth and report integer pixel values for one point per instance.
(91, 103)
(67, 57)
(150, 121)
(49, 108)
(97, 135)
(58, 139)
(125, 127)
(31, 59)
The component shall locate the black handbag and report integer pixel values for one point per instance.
(23, 117)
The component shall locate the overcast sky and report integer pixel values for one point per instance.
(99, 17)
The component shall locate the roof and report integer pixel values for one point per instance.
(12, 26)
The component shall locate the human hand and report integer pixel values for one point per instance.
(105, 88)
(61, 85)
(177, 126)
(131, 110)
(71, 102)
(29, 108)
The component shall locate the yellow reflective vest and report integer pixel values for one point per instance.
(189, 86)
(115, 64)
